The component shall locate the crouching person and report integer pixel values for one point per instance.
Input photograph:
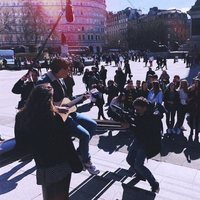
(39, 128)
(147, 141)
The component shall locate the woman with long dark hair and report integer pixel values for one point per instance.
(171, 101)
(144, 89)
(41, 131)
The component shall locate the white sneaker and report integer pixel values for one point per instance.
(91, 168)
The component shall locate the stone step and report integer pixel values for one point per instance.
(114, 186)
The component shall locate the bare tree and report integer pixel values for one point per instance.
(7, 24)
(33, 23)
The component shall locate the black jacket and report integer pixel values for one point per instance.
(50, 143)
(147, 131)
(175, 100)
(23, 88)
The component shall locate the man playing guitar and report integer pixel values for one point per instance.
(78, 124)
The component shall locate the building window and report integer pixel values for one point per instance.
(92, 37)
(82, 28)
(83, 37)
(88, 37)
(79, 37)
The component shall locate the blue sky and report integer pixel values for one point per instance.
(144, 5)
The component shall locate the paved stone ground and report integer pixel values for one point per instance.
(17, 181)
(177, 169)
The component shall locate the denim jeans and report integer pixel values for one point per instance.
(83, 128)
(136, 158)
(170, 115)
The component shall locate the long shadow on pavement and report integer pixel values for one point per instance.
(134, 193)
(192, 152)
(95, 187)
(113, 143)
(7, 183)
(177, 144)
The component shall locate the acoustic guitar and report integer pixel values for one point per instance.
(66, 102)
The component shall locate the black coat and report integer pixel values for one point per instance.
(48, 141)
(147, 131)
(103, 74)
(175, 100)
(23, 88)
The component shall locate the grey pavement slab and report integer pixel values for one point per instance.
(18, 180)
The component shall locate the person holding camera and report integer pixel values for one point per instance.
(25, 85)
(147, 141)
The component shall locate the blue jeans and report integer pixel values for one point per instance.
(136, 158)
(83, 128)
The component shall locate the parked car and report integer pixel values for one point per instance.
(7, 57)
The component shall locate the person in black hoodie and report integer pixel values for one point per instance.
(120, 79)
(25, 85)
(99, 98)
(127, 69)
(103, 74)
(86, 79)
(111, 90)
(146, 127)
(40, 130)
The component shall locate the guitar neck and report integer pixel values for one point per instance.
(75, 101)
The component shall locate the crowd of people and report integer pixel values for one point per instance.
(170, 94)
(40, 129)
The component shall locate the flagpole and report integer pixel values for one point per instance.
(69, 18)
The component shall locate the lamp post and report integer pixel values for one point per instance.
(68, 10)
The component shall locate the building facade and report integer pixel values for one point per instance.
(170, 27)
(87, 29)
(131, 29)
(177, 26)
(117, 26)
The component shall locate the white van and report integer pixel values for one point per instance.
(9, 55)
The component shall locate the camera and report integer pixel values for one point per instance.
(126, 116)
